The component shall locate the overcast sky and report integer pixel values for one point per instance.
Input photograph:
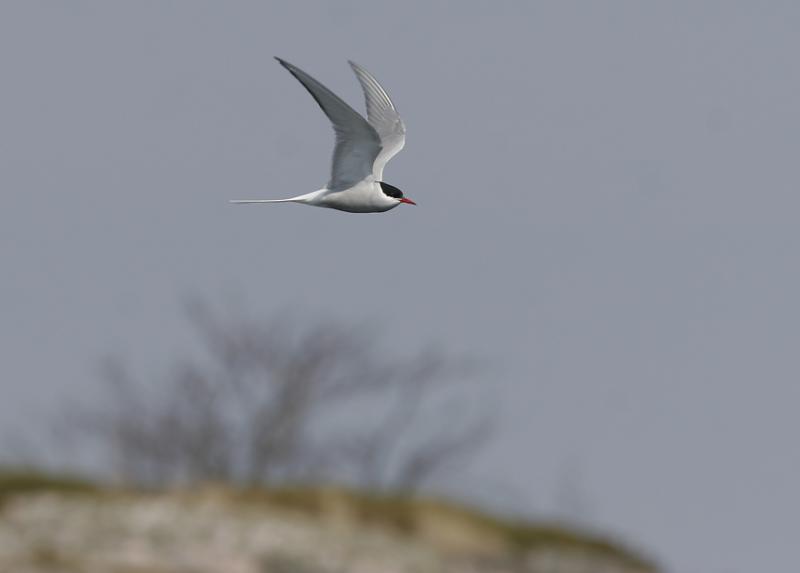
(608, 208)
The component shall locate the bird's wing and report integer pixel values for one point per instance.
(383, 116)
(357, 142)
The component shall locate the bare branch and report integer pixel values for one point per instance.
(277, 400)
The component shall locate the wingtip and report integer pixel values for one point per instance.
(289, 66)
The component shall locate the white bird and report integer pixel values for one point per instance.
(363, 147)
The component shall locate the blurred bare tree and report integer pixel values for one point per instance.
(286, 400)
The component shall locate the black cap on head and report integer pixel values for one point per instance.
(391, 190)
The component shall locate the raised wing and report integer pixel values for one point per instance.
(382, 116)
(357, 142)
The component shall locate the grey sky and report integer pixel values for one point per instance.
(607, 213)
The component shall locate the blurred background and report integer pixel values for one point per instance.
(586, 324)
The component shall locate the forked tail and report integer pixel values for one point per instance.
(306, 198)
(246, 201)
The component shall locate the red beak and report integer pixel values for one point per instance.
(406, 200)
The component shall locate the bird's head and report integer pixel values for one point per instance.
(394, 193)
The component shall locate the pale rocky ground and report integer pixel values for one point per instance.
(169, 533)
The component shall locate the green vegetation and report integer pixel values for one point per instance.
(17, 480)
(426, 517)
(447, 525)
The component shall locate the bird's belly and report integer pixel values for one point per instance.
(361, 199)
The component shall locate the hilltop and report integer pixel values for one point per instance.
(51, 524)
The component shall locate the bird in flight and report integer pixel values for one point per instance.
(363, 147)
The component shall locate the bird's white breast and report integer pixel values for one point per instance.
(364, 197)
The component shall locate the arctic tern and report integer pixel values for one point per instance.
(363, 147)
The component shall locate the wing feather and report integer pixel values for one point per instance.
(383, 117)
(358, 144)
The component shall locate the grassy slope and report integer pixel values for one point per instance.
(423, 517)
(25, 480)
(449, 525)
